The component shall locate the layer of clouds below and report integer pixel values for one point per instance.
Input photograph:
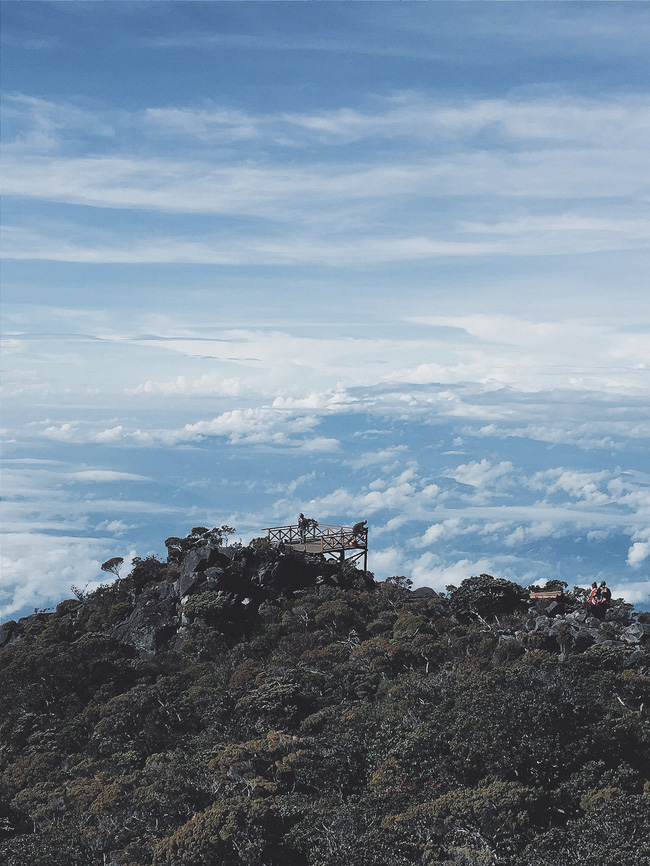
(39, 570)
(424, 444)
(436, 524)
(497, 368)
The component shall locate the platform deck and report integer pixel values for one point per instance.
(322, 538)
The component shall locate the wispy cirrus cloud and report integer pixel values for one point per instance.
(193, 186)
(560, 117)
(520, 154)
(299, 250)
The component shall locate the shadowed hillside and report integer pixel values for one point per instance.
(248, 705)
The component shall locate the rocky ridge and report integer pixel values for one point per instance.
(204, 580)
(224, 587)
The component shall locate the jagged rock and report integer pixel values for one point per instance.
(151, 625)
(264, 575)
(620, 614)
(187, 583)
(582, 640)
(6, 632)
(637, 656)
(508, 648)
(610, 629)
(214, 576)
(554, 608)
(165, 589)
(224, 586)
(196, 560)
(636, 633)
(68, 606)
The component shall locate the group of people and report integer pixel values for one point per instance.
(599, 598)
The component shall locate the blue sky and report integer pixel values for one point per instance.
(361, 260)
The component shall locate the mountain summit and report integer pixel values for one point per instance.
(259, 705)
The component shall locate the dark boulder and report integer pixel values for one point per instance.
(7, 631)
(424, 592)
(151, 625)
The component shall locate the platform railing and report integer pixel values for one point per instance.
(331, 538)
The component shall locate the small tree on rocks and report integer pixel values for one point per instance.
(113, 565)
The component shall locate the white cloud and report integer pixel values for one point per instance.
(39, 569)
(330, 400)
(586, 435)
(633, 592)
(559, 120)
(385, 456)
(253, 425)
(202, 124)
(386, 563)
(207, 384)
(289, 248)
(428, 571)
(584, 486)
(320, 443)
(118, 527)
(524, 535)
(66, 432)
(483, 474)
(438, 531)
(101, 475)
(638, 553)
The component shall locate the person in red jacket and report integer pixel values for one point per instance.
(594, 595)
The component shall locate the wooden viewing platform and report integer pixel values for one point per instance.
(334, 542)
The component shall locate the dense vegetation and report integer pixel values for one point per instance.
(322, 726)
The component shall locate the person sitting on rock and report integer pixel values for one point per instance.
(605, 594)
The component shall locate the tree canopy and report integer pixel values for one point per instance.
(165, 719)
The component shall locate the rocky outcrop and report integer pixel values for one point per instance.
(205, 582)
(563, 625)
